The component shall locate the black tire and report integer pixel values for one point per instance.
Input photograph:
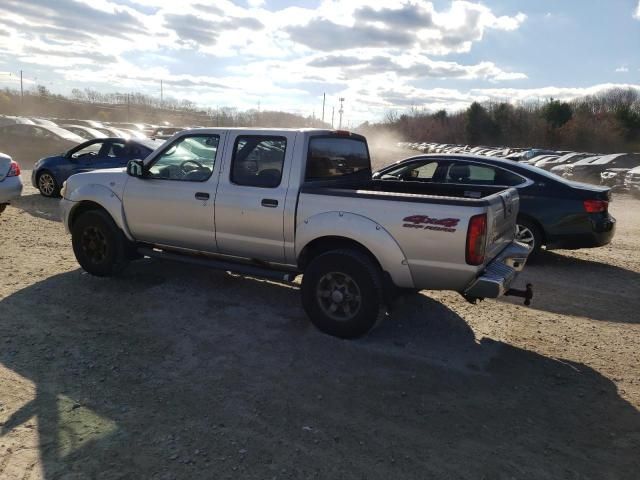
(98, 244)
(362, 292)
(47, 185)
(529, 230)
(3, 206)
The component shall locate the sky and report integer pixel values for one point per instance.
(380, 56)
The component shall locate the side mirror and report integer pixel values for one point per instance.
(135, 168)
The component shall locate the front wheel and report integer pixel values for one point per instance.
(342, 293)
(47, 185)
(98, 244)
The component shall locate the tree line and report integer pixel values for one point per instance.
(608, 121)
(90, 104)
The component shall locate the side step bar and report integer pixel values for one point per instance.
(240, 268)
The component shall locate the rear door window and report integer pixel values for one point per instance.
(331, 157)
(258, 161)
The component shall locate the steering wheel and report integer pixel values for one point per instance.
(85, 154)
(389, 176)
(199, 166)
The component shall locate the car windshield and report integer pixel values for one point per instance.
(607, 159)
(66, 134)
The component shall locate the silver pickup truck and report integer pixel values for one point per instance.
(279, 203)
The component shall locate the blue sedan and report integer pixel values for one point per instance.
(554, 212)
(49, 173)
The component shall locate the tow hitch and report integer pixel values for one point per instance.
(527, 293)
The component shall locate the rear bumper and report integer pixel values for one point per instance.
(499, 275)
(601, 232)
(10, 189)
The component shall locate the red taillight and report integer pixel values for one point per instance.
(14, 169)
(596, 206)
(476, 239)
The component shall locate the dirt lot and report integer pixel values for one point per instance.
(174, 371)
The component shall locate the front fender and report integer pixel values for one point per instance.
(362, 230)
(100, 195)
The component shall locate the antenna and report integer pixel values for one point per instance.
(341, 111)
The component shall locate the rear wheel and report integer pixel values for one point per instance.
(529, 233)
(342, 293)
(98, 244)
(47, 185)
(3, 206)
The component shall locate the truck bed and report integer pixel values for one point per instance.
(436, 255)
(449, 194)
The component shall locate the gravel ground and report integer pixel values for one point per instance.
(175, 371)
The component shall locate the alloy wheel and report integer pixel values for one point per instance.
(46, 183)
(339, 296)
(525, 235)
(94, 244)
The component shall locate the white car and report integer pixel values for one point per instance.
(10, 182)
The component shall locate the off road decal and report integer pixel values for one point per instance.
(424, 222)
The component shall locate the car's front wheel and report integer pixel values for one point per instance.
(342, 293)
(98, 244)
(47, 185)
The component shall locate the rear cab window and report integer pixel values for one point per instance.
(333, 157)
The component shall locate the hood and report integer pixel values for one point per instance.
(112, 178)
(49, 161)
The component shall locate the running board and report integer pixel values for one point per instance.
(240, 268)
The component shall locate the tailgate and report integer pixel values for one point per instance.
(5, 164)
(501, 221)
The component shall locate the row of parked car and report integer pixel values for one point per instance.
(554, 212)
(84, 145)
(620, 171)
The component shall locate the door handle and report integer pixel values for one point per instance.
(202, 196)
(269, 203)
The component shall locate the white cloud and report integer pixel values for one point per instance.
(636, 14)
(622, 69)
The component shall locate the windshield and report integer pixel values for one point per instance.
(61, 132)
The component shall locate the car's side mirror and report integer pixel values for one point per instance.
(135, 168)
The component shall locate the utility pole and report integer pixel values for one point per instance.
(341, 111)
(161, 95)
(21, 89)
(333, 114)
(324, 99)
(128, 107)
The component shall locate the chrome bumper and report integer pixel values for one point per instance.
(497, 277)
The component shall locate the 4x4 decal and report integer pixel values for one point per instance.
(424, 222)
